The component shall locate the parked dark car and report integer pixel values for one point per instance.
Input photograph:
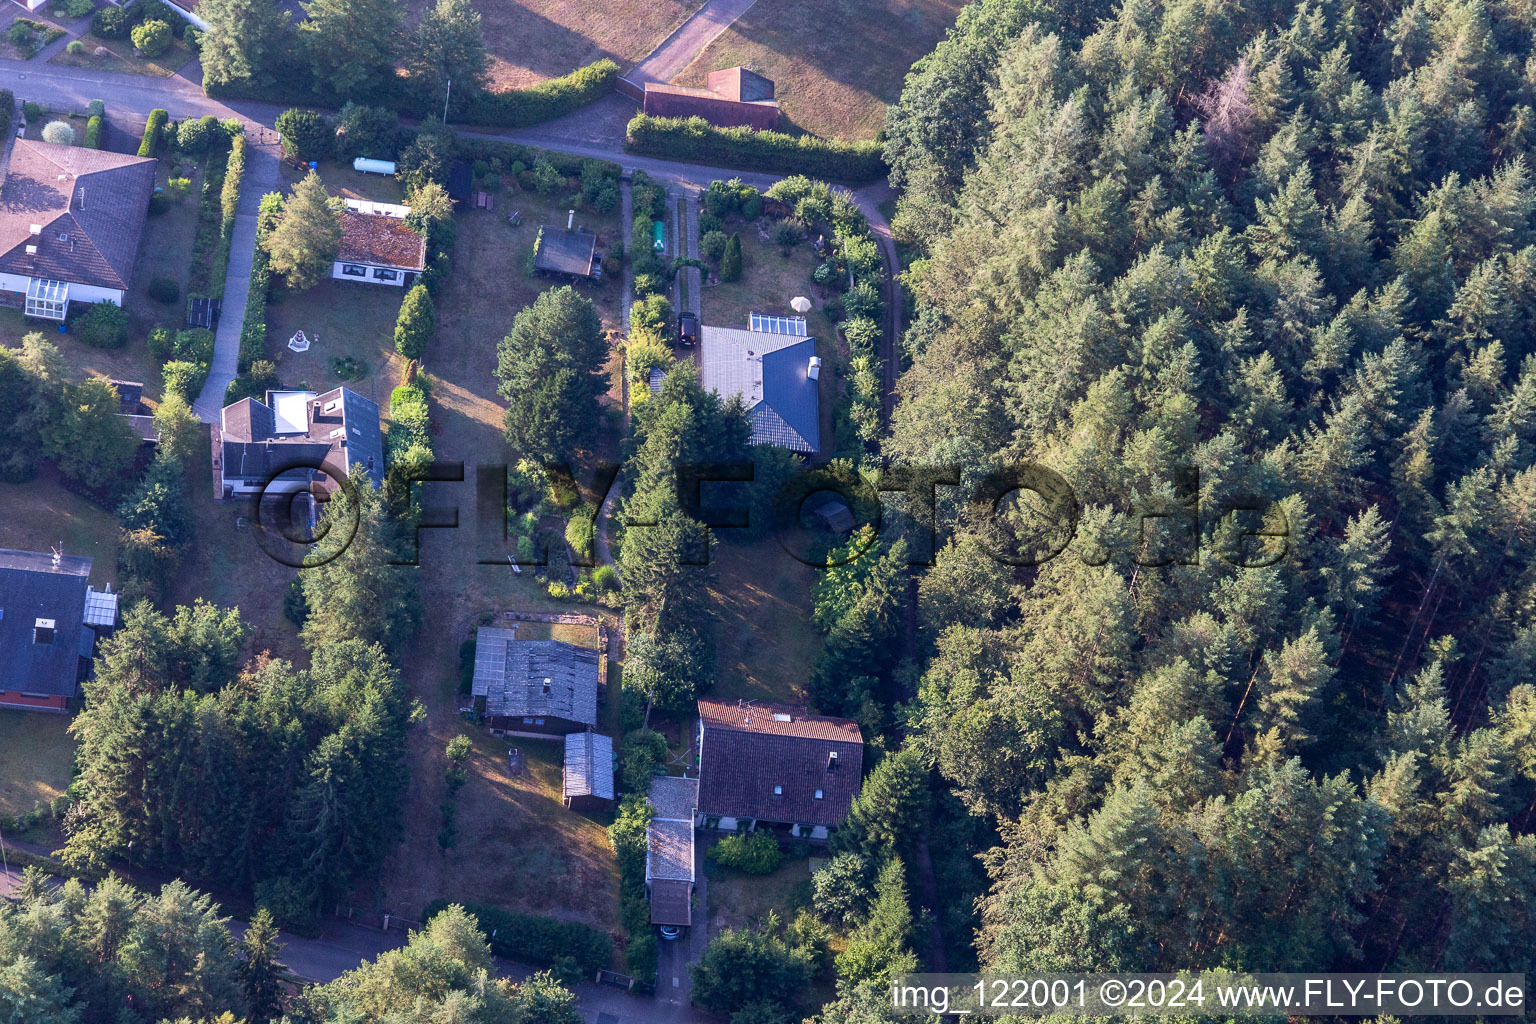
(687, 329)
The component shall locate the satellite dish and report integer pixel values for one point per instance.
(800, 304)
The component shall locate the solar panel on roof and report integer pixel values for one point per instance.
(791, 325)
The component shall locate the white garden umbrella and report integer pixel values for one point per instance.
(800, 304)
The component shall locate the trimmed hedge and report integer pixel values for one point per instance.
(229, 203)
(93, 132)
(520, 108)
(253, 329)
(695, 140)
(152, 129)
(7, 110)
(537, 940)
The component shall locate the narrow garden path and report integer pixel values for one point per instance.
(261, 177)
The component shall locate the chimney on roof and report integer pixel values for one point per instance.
(832, 761)
(58, 554)
(813, 371)
(570, 219)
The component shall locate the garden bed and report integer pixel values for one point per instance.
(119, 55)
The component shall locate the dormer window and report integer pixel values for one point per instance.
(43, 631)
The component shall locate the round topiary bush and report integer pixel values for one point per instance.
(163, 289)
(75, 46)
(59, 133)
(152, 37)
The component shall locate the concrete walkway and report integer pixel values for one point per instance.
(689, 40)
(261, 176)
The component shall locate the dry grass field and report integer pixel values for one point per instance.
(836, 63)
(36, 755)
(532, 40)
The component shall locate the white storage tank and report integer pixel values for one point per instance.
(367, 165)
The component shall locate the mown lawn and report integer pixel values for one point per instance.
(41, 513)
(165, 251)
(765, 642)
(738, 900)
(531, 40)
(36, 758)
(836, 64)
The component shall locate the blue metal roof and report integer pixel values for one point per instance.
(788, 415)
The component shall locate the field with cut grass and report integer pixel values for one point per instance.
(532, 40)
(836, 63)
(131, 362)
(765, 642)
(738, 900)
(41, 513)
(36, 757)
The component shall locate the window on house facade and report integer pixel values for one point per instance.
(527, 721)
(538, 721)
(380, 274)
(354, 270)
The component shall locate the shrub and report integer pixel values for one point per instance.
(75, 46)
(178, 188)
(184, 378)
(786, 234)
(863, 299)
(605, 578)
(115, 22)
(152, 38)
(582, 529)
(753, 853)
(78, 8)
(824, 274)
(712, 245)
(306, 134)
(752, 207)
(60, 133)
(416, 324)
(20, 33)
(640, 755)
(163, 289)
(196, 134)
(654, 312)
(152, 129)
(697, 141)
(193, 38)
(93, 129)
(158, 204)
(646, 284)
(730, 260)
(102, 325)
(33, 112)
(538, 940)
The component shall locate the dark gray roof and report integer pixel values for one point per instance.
(536, 678)
(90, 205)
(567, 252)
(751, 747)
(32, 588)
(672, 902)
(589, 765)
(254, 449)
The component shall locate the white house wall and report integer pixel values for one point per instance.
(398, 282)
(77, 292)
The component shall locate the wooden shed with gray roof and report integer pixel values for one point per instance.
(534, 687)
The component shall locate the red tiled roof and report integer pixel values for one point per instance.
(382, 241)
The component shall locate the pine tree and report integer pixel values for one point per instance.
(730, 263)
(307, 237)
(417, 323)
(260, 970)
(245, 41)
(352, 44)
(448, 47)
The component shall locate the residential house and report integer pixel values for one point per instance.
(298, 440)
(376, 245)
(571, 253)
(50, 619)
(732, 97)
(772, 365)
(669, 850)
(70, 223)
(534, 687)
(588, 775)
(774, 766)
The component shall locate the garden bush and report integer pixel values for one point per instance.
(152, 38)
(101, 325)
(712, 245)
(538, 940)
(163, 289)
(115, 22)
(93, 129)
(78, 8)
(695, 140)
(753, 853)
(605, 578)
(152, 129)
(306, 134)
(33, 112)
(60, 133)
(519, 108)
(730, 260)
(786, 234)
(184, 378)
(75, 46)
(654, 312)
(196, 134)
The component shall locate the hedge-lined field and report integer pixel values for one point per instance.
(695, 140)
